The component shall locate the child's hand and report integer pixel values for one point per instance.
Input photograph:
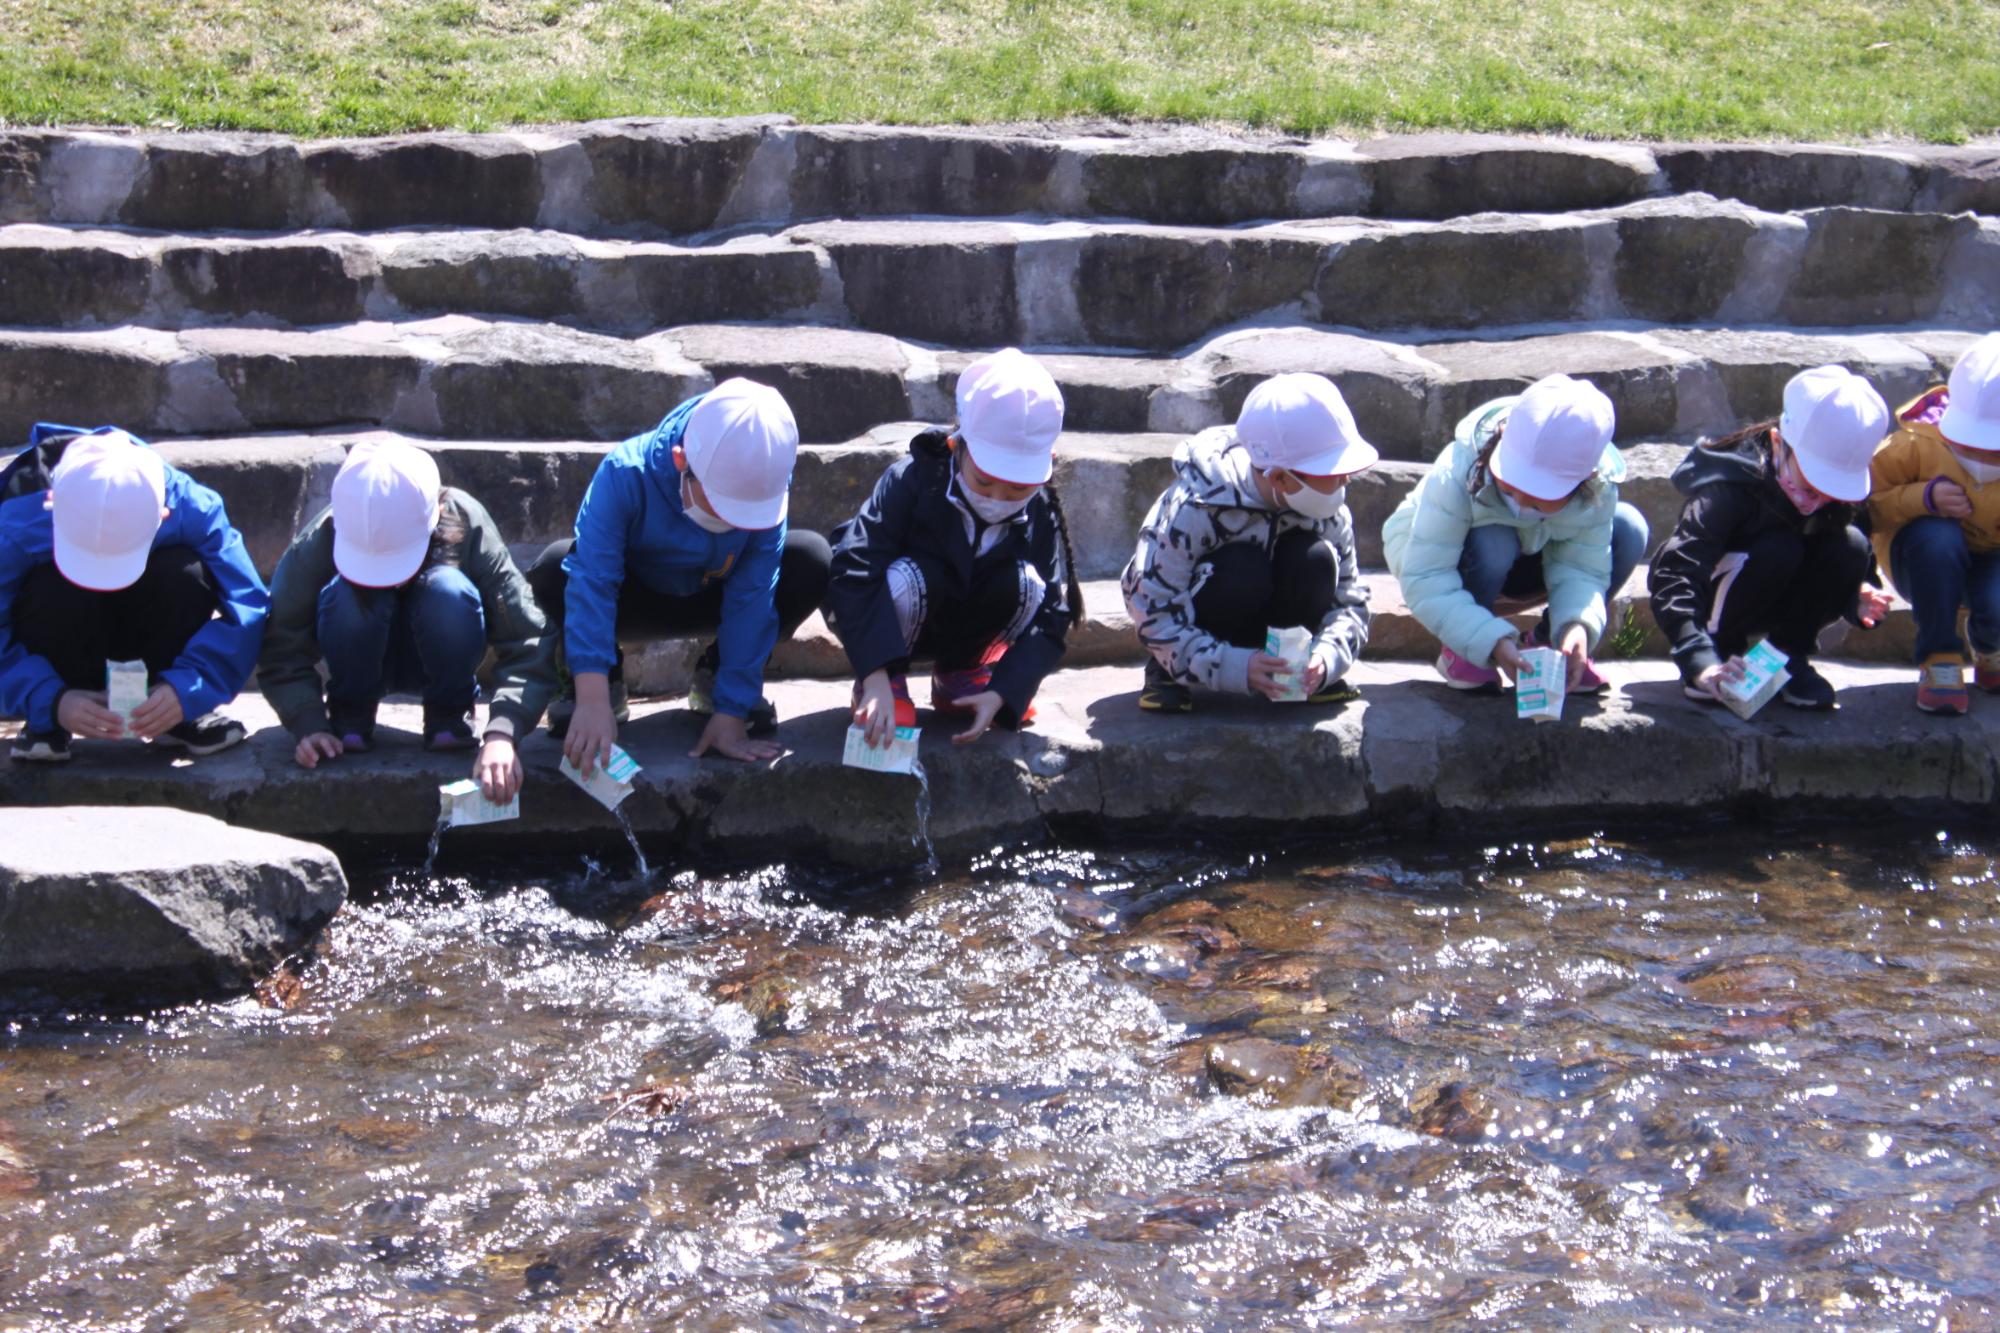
(876, 713)
(1713, 678)
(1575, 646)
(1507, 656)
(82, 713)
(1266, 675)
(1949, 498)
(320, 745)
(497, 770)
(985, 707)
(1872, 605)
(160, 713)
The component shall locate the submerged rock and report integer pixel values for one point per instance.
(145, 902)
(1289, 1075)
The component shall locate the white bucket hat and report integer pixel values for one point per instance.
(1832, 422)
(741, 443)
(385, 507)
(1300, 422)
(1555, 437)
(1972, 415)
(106, 497)
(1009, 414)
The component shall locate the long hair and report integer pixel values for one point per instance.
(1761, 432)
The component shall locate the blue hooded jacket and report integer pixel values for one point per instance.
(217, 661)
(631, 522)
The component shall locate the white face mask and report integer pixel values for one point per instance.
(1309, 503)
(1981, 468)
(989, 510)
(704, 520)
(1526, 513)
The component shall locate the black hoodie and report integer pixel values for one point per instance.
(1733, 497)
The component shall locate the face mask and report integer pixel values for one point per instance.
(1803, 499)
(1982, 468)
(1526, 513)
(704, 520)
(992, 511)
(1319, 505)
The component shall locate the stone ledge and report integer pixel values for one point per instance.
(1411, 756)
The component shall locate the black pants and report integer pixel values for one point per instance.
(1790, 588)
(1251, 590)
(78, 630)
(804, 567)
(955, 631)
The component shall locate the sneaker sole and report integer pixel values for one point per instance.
(41, 754)
(235, 737)
(1166, 706)
(1942, 710)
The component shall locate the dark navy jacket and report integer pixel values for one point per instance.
(911, 513)
(217, 661)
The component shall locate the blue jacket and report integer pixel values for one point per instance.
(217, 661)
(631, 522)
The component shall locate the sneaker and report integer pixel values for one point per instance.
(356, 732)
(204, 735)
(1161, 693)
(1591, 681)
(1334, 692)
(899, 689)
(40, 747)
(561, 709)
(1807, 688)
(1941, 684)
(761, 720)
(1462, 675)
(1986, 671)
(447, 731)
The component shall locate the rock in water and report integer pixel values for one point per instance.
(144, 902)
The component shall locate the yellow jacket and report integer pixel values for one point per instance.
(1904, 465)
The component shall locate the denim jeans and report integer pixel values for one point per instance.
(1935, 569)
(425, 637)
(1493, 567)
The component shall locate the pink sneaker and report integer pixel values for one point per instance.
(1462, 675)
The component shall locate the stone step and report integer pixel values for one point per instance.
(1687, 259)
(463, 378)
(678, 177)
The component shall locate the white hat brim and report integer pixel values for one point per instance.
(379, 569)
(1014, 466)
(98, 571)
(1846, 487)
(750, 515)
(1962, 428)
(1350, 457)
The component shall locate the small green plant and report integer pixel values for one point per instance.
(1628, 640)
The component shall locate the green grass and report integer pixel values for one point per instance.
(1792, 69)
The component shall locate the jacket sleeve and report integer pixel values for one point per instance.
(288, 666)
(859, 609)
(524, 675)
(1344, 632)
(219, 658)
(1898, 479)
(1428, 574)
(29, 685)
(1577, 569)
(1685, 565)
(749, 629)
(1159, 586)
(596, 565)
(1029, 659)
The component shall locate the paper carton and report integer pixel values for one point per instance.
(1541, 685)
(1295, 646)
(898, 756)
(608, 784)
(125, 688)
(462, 803)
(1764, 675)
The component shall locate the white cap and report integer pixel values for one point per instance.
(106, 499)
(1555, 437)
(1009, 414)
(741, 442)
(1972, 414)
(1833, 420)
(385, 507)
(1300, 422)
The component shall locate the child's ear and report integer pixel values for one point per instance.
(48, 499)
(680, 458)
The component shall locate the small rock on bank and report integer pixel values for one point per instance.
(142, 902)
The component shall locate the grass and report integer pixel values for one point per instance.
(1788, 69)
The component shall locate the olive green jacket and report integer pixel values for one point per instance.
(523, 656)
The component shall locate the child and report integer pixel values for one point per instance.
(961, 555)
(400, 585)
(683, 531)
(1936, 512)
(1766, 541)
(1254, 534)
(1523, 504)
(109, 554)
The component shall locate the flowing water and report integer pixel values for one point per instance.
(1690, 1083)
(923, 834)
(632, 840)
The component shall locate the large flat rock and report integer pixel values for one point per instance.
(1411, 756)
(147, 901)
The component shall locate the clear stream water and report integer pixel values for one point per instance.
(1689, 1082)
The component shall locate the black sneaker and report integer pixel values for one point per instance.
(761, 720)
(1807, 688)
(204, 735)
(1335, 692)
(1163, 694)
(40, 747)
(448, 731)
(355, 730)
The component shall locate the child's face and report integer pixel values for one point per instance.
(1805, 497)
(992, 488)
(1527, 501)
(1326, 485)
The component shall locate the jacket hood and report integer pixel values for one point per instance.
(1218, 474)
(1744, 462)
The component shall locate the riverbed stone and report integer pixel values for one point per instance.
(1864, 267)
(1449, 175)
(1459, 276)
(145, 901)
